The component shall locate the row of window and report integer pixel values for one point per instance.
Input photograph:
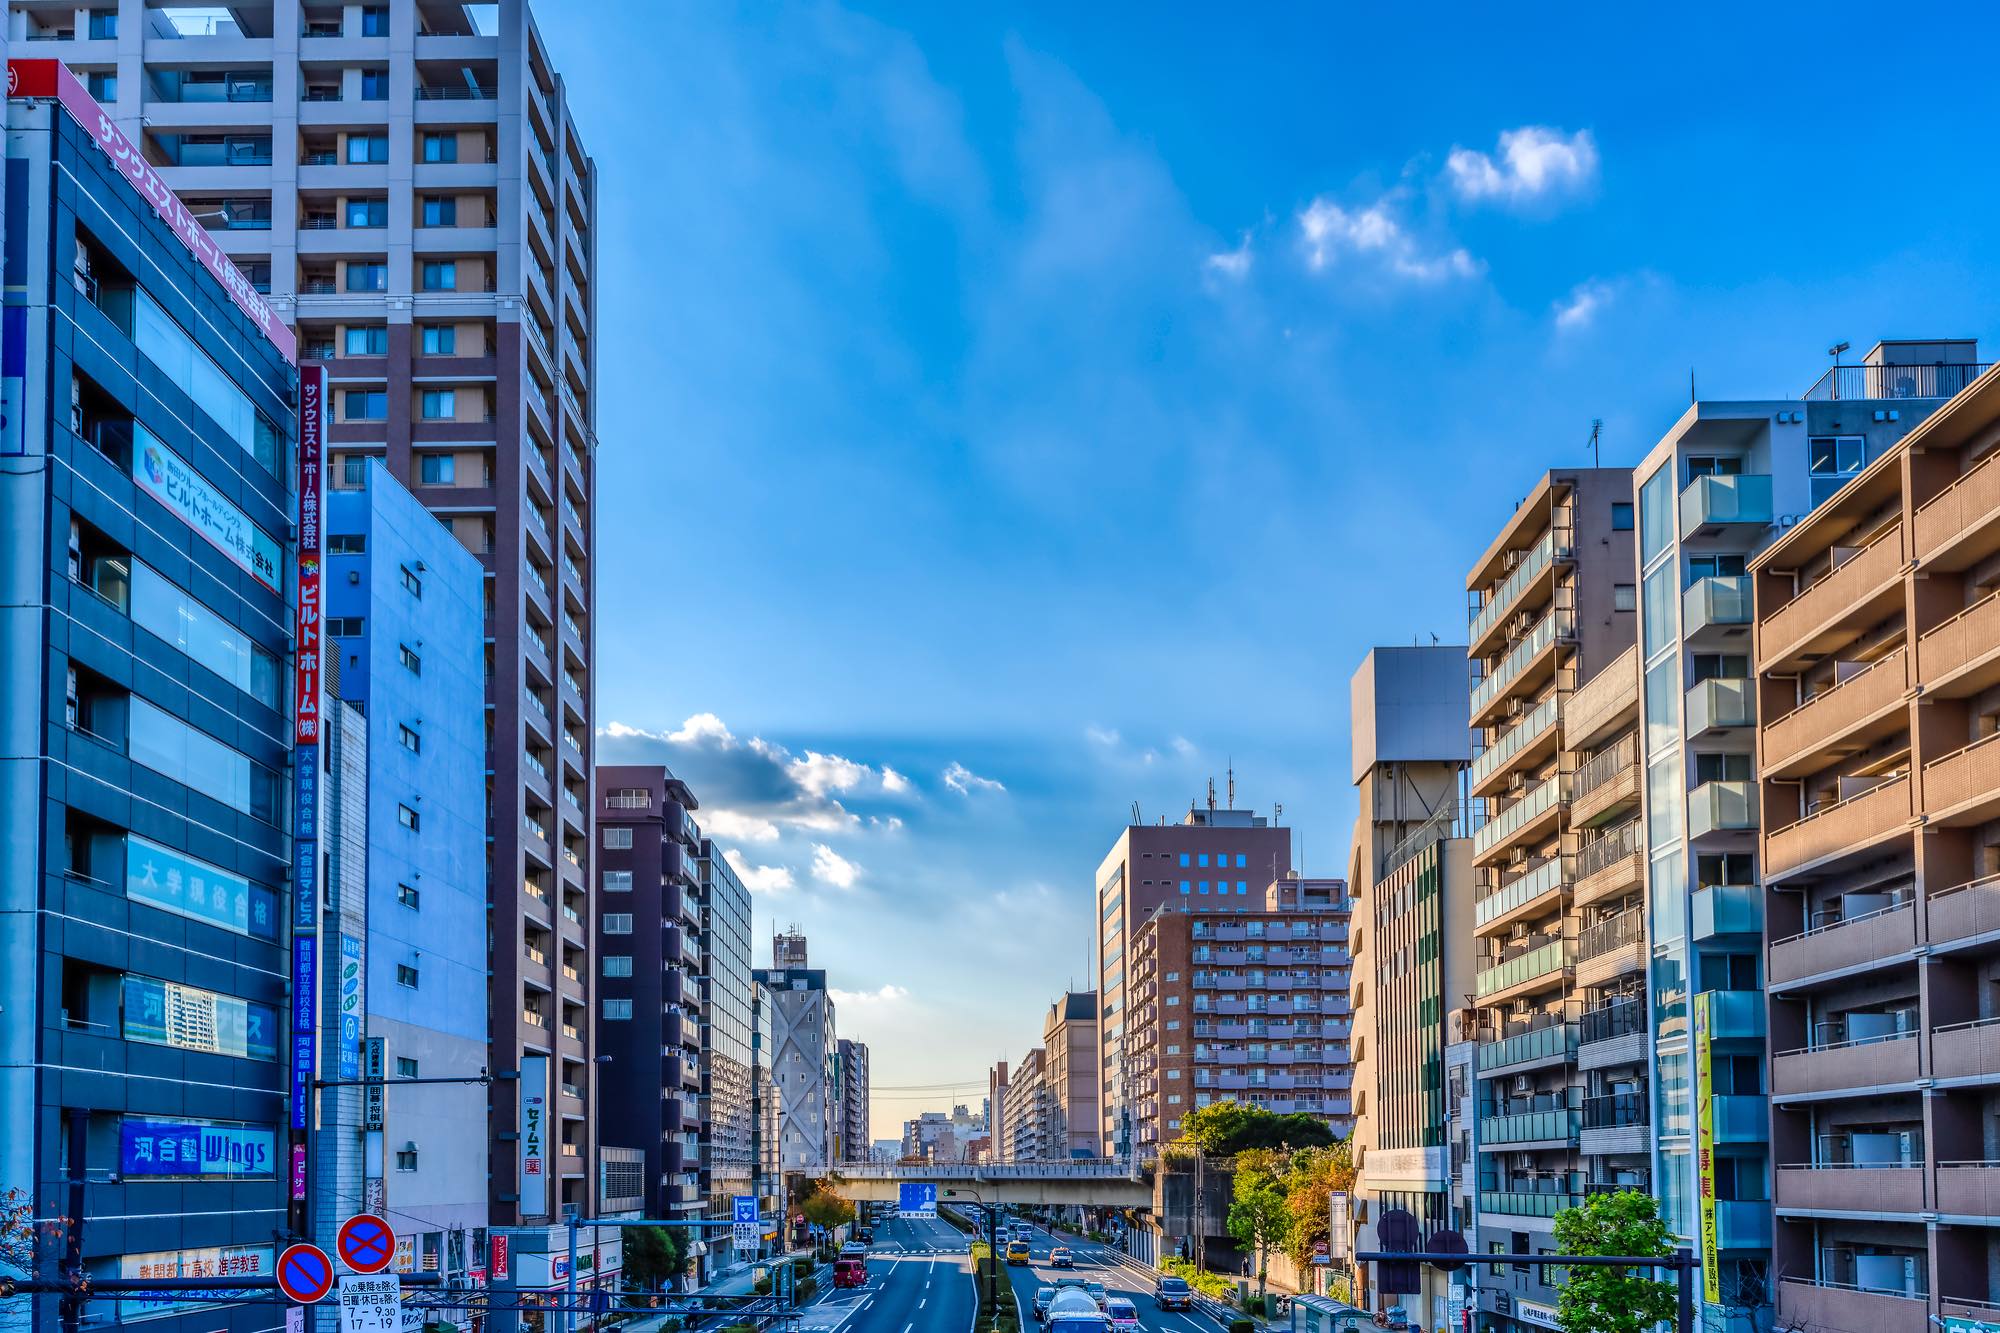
(435, 275)
(1221, 886)
(373, 339)
(373, 405)
(164, 344)
(159, 606)
(1221, 859)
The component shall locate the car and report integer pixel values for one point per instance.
(1017, 1252)
(1123, 1314)
(865, 1234)
(1062, 1257)
(850, 1273)
(1096, 1290)
(1072, 1281)
(1042, 1298)
(1173, 1293)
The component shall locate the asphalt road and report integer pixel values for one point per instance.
(919, 1281)
(1121, 1275)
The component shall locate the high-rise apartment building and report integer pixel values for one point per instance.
(1210, 854)
(409, 191)
(147, 728)
(798, 1022)
(1723, 482)
(1410, 940)
(997, 1085)
(1069, 1045)
(1245, 1003)
(649, 995)
(1025, 1115)
(727, 1126)
(851, 1060)
(1552, 600)
(405, 647)
(1877, 648)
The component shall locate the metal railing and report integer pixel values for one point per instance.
(1603, 767)
(1516, 739)
(1939, 380)
(1617, 932)
(1606, 851)
(1547, 630)
(1539, 557)
(1543, 797)
(1616, 1110)
(455, 92)
(1547, 876)
(1620, 1018)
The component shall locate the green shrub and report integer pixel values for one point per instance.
(1242, 1326)
(803, 1290)
(762, 1286)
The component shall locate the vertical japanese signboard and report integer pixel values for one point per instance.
(1704, 1147)
(534, 1163)
(306, 716)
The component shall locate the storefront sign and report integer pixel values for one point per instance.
(1704, 1112)
(350, 1007)
(534, 1160)
(305, 1010)
(167, 879)
(306, 642)
(194, 1149)
(161, 473)
(496, 1248)
(235, 1261)
(1541, 1316)
(166, 1013)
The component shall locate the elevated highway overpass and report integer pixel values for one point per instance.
(1091, 1184)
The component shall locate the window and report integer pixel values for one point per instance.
(366, 404)
(173, 749)
(1621, 516)
(618, 839)
(1202, 859)
(440, 148)
(103, 24)
(440, 210)
(367, 277)
(1186, 887)
(440, 275)
(1714, 466)
(366, 340)
(440, 340)
(407, 817)
(1243, 886)
(618, 965)
(618, 923)
(353, 470)
(409, 659)
(375, 20)
(1719, 666)
(406, 1067)
(408, 896)
(617, 1010)
(406, 975)
(343, 627)
(1624, 597)
(411, 741)
(367, 148)
(1714, 567)
(439, 404)
(412, 583)
(374, 85)
(617, 881)
(174, 352)
(1184, 858)
(1721, 768)
(406, 1159)
(1833, 460)
(177, 619)
(103, 85)
(437, 469)
(367, 213)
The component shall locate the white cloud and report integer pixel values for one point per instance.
(964, 781)
(894, 783)
(1104, 736)
(1233, 264)
(1183, 746)
(701, 729)
(817, 774)
(1582, 306)
(759, 879)
(888, 994)
(619, 731)
(1533, 162)
(1373, 235)
(738, 826)
(830, 867)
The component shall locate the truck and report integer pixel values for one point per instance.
(1074, 1310)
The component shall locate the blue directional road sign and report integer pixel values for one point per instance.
(744, 1229)
(916, 1200)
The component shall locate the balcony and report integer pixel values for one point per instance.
(1740, 1118)
(1539, 560)
(1963, 913)
(1727, 909)
(1519, 1203)
(1888, 1188)
(1529, 1050)
(1743, 1224)
(1868, 940)
(1848, 1065)
(1963, 787)
(1528, 741)
(1711, 505)
(1539, 891)
(1532, 817)
(1960, 526)
(1536, 969)
(1716, 610)
(1721, 807)
(1938, 379)
(1525, 1129)
(1611, 948)
(1607, 696)
(1719, 706)
(1857, 708)
(1616, 1123)
(1806, 1304)
(1962, 655)
(1609, 864)
(1522, 666)
(1606, 786)
(1829, 614)
(1967, 1051)
(1841, 828)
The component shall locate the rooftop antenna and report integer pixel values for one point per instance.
(1691, 394)
(1211, 796)
(1596, 452)
(1232, 783)
(1135, 814)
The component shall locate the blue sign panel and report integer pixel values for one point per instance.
(181, 1148)
(305, 1011)
(350, 1007)
(916, 1200)
(165, 878)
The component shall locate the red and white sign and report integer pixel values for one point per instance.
(497, 1252)
(312, 474)
(366, 1243)
(51, 78)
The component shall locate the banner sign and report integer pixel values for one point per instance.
(167, 879)
(496, 1248)
(250, 1261)
(51, 78)
(312, 422)
(534, 1144)
(1704, 1110)
(350, 1007)
(161, 473)
(305, 1010)
(159, 1148)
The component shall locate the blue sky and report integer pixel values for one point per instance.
(1007, 417)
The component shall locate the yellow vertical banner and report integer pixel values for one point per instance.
(1704, 1111)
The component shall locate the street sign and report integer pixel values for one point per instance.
(497, 1253)
(744, 1230)
(305, 1273)
(914, 1199)
(366, 1243)
(371, 1303)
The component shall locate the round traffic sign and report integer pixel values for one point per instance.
(366, 1243)
(305, 1273)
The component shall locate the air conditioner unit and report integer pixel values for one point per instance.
(1518, 856)
(1516, 707)
(1523, 1085)
(1522, 622)
(1517, 782)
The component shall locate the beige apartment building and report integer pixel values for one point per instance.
(1047, 1104)
(1878, 705)
(415, 198)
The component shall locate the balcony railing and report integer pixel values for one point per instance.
(1620, 1018)
(1548, 876)
(1966, 504)
(1538, 559)
(1616, 1110)
(1602, 768)
(1839, 593)
(1528, 1127)
(1833, 828)
(1720, 704)
(1943, 379)
(1558, 1041)
(455, 92)
(1543, 797)
(1544, 960)
(1618, 932)
(1717, 600)
(1520, 1203)
(1839, 706)
(1547, 630)
(1602, 853)
(1721, 807)
(1516, 739)
(1966, 774)
(1744, 499)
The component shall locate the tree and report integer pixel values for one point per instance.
(653, 1256)
(827, 1210)
(1316, 1175)
(1223, 1129)
(1258, 1214)
(1614, 1300)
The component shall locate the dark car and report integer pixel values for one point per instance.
(1042, 1299)
(1173, 1293)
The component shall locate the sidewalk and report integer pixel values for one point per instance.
(736, 1281)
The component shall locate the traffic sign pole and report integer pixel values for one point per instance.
(305, 1274)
